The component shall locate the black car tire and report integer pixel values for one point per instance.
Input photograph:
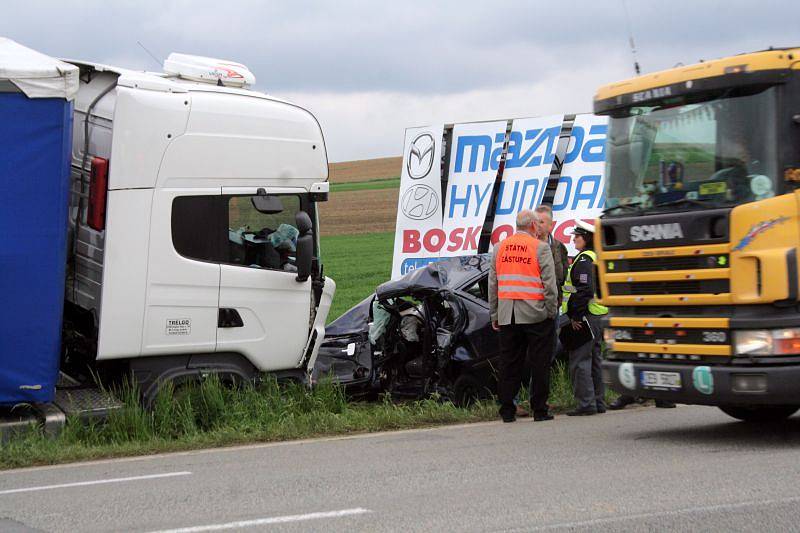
(761, 413)
(467, 389)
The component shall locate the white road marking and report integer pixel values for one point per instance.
(268, 521)
(661, 514)
(96, 482)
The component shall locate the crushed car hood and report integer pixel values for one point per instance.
(355, 320)
(447, 273)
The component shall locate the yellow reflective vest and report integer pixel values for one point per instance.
(594, 307)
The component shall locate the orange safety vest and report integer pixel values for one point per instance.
(517, 267)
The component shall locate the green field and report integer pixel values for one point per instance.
(358, 264)
(383, 183)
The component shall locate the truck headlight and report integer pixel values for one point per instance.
(753, 342)
(763, 342)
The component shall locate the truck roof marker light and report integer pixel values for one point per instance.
(736, 69)
(689, 276)
(698, 252)
(639, 299)
(683, 299)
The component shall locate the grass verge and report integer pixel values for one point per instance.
(213, 415)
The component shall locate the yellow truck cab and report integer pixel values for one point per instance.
(698, 243)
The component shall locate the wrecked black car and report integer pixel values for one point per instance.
(426, 333)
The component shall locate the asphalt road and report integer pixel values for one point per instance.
(684, 469)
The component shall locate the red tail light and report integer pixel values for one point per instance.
(98, 191)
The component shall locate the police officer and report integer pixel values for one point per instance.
(523, 302)
(584, 311)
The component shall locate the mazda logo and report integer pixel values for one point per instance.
(420, 156)
(420, 202)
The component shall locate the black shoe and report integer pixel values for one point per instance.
(664, 404)
(582, 412)
(543, 417)
(509, 419)
(621, 403)
(601, 409)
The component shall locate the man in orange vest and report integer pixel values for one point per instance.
(523, 300)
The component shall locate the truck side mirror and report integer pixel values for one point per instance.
(266, 204)
(305, 246)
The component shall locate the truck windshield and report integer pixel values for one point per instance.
(708, 153)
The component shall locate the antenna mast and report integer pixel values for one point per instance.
(150, 54)
(630, 38)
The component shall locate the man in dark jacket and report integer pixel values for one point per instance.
(545, 226)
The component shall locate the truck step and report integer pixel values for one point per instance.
(86, 403)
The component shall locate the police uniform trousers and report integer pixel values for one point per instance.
(585, 371)
(519, 342)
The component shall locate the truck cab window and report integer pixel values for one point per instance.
(262, 237)
(196, 227)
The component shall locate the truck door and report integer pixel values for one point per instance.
(264, 311)
(183, 272)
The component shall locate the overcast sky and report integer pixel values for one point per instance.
(368, 70)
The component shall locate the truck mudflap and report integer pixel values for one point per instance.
(706, 385)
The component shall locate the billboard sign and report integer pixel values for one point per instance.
(475, 153)
(436, 220)
(532, 146)
(579, 194)
(419, 205)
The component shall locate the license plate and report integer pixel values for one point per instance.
(661, 380)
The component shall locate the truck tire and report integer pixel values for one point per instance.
(760, 413)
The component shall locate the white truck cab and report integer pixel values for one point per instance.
(194, 239)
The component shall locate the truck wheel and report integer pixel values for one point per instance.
(467, 389)
(760, 413)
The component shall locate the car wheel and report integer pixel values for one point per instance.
(467, 389)
(760, 413)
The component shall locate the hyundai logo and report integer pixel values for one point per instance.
(420, 156)
(420, 202)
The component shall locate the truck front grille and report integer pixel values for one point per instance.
(711, 286)
(658, 264)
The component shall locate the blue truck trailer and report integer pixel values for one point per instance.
(36, 100)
